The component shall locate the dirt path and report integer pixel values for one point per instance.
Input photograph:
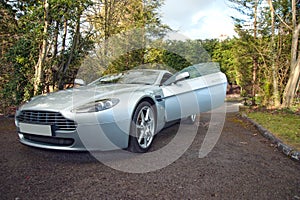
(243, 165)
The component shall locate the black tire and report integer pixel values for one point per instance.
(142, 129)
(191, 119)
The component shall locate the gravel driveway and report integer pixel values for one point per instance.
(243, 165)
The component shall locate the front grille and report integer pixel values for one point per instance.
(49, 140)
(47, 118)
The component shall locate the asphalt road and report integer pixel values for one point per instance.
(242, 165)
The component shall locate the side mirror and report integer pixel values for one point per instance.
(181, 77)
(79, 82)
(177, 78)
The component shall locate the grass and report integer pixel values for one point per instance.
(284, 125)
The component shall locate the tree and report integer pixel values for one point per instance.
(42, 44)
(225, 55)
(125, 27)
(273, 34)
(250, 10)
(39, 67)
(273, 57)
(293, 82)
(17, 57)
(8, 33)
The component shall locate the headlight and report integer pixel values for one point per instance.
(96, 106)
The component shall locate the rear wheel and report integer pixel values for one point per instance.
(191, 119)
(142, 128)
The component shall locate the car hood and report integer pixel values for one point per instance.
(72, 98)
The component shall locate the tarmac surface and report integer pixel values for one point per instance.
(242, 165)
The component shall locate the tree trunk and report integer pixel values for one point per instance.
(55, 42)
(292, 85)
(108, 4)
(255, 59)
(58, 71)
(72, 51)
(276, 95)
(63, 46)
(38, 77)
(290, 89)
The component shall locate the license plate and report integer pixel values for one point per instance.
(35, 129)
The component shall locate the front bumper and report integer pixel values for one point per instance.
(86, 137)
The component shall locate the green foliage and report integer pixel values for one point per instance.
(70, 43)
(284, 124)
(262, 52)
(243, 53)
(194, 51)
(157, 58)
(225, 55)
(171, 54)
(18, 74)
(22, 25)
(175, 61)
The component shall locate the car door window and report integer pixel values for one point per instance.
(201, 69)
(196, 71)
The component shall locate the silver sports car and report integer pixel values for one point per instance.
(120, 111)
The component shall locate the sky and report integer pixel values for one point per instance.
(198, 19)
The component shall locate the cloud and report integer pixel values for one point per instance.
(198, 19)
(183, 8)
(182, 11)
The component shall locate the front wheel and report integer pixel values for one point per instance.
(142, 128)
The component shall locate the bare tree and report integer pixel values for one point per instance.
(292, 85)
(39, 68)
(273, 57)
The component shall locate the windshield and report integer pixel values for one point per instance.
(145, 77)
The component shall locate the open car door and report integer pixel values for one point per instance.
(195, 89)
